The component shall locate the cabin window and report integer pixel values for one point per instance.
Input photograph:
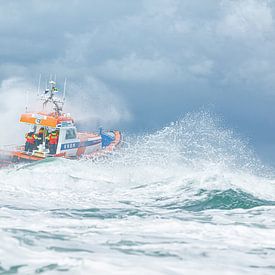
(70, 134)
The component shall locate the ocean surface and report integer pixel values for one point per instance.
(191, 198)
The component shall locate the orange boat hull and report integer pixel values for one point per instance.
(16, 156)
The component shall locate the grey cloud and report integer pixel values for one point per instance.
(152, 55)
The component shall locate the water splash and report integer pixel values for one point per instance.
(196, 141)
(189, 194)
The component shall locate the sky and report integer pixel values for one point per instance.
(139, 64)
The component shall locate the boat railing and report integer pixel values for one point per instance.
(10, 148)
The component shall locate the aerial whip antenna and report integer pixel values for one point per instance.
(64, 89)
(38, 88)
(27, 101)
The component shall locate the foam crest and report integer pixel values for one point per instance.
(170, 166)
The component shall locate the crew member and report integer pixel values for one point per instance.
(47, 138)
(39, 137)
(53, 141)
(30, 142)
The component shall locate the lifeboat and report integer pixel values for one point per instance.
(55, 135)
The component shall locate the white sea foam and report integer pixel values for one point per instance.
(188, 198)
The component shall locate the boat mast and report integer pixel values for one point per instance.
(64, 89)
(27, 101)
(38, 87)
(49, 97)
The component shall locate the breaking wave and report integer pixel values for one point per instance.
(156, 196)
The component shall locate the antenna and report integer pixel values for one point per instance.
(38, 88)
(48, 82)
(64, 89)
(49, 97)
(27, 101)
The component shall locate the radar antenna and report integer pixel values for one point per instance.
(50, 97)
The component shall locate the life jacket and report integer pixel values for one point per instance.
(53, 138)
(39, 136)
(30, 138)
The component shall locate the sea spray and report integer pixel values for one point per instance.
(189, 197)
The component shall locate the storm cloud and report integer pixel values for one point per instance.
(139, 64)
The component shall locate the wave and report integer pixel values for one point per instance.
(225, 200)
(193, 164)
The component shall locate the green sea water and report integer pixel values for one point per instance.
(191, 198)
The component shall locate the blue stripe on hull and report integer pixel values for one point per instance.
(75, 145)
